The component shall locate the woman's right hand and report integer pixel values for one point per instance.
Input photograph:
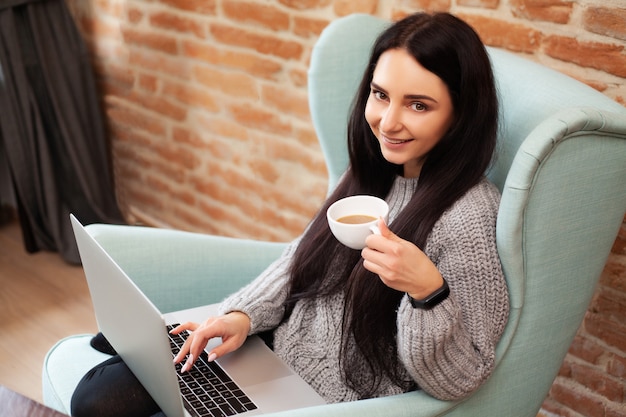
(233, 328)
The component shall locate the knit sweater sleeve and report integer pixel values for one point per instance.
(450, 350)
(263, 299)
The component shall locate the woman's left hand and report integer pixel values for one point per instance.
(400, 264)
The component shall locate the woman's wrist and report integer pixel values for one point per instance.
(432, 299)
(429, 282)
(242, 319)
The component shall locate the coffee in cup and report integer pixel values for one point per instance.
(352, 219)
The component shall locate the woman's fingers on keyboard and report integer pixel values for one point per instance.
(191, 326)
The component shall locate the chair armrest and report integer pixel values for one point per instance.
(179, 270)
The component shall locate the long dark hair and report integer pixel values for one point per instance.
(449, 48)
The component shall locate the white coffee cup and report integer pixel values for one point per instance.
(353, 234)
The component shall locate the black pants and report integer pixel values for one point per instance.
(111, 390)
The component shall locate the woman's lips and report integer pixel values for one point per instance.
(393, 141)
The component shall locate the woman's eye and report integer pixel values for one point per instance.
(418, 106)
(379, 95)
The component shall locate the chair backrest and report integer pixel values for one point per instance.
(562, 173)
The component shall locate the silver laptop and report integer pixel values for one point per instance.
(137, 331)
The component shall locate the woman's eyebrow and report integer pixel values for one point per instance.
(406, 96)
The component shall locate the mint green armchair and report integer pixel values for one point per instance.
(562, 172)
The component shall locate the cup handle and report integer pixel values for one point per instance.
(375, 230)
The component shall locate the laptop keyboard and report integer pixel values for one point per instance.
(206, 389)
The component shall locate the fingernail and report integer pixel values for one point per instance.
(188, 364)
(212, 357)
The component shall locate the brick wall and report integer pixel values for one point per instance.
(206, 104)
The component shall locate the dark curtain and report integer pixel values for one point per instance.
(51, 126)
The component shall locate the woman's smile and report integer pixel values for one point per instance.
(393, 141)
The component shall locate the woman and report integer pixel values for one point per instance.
(424, 304)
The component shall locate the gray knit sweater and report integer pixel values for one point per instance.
(448, 350)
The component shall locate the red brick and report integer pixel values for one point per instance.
(159, 64)
(241, 225)
(596, 380)
(171, 21)
(158, 105)
(586, 349)
(134, 156)
(221, 180)
(208, 145)
(308, 137)
(610, 304)
(287, 101)
(619, 247)
(265, 44)
(153, 40)
(141, 197)
(235, 84)
(614, 273)
(616, 366)
(294, 152)
(222, 149)
(148, 82)
(156, 184)
(248, 62)
(602, 56)
(616, 409)
(219, 213)
(309, 26)
(192, 220)
(558, 11)
(298, 77)
(109, 8)
(606, 21)
(412, 6)
(199, 6)
(182, 195)
(174, 172)
(205, 185)
(609, 331)
(188, 137)
(264, 168)
(565, 370)
(488, 4)
(134, 119)
(203, 51)
(577, 398)
(191, 95)
(173, 154)
(263, 15)
(123, 134)
(305, 4)
(346, 7)
(556, 409)
(500, 33)
(134, 15)
(122, 78)
(224, 127)
(258, 118)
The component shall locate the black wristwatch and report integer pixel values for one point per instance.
(433, 299)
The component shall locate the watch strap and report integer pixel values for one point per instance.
(433, 299)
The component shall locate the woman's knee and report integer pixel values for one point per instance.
(110, 389)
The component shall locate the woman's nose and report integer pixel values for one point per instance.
(390, 120)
